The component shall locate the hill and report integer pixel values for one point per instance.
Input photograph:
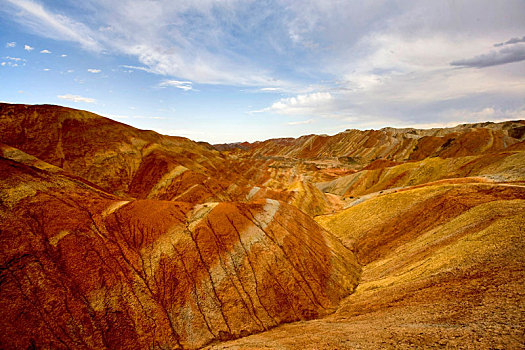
(443, 267)
(118, 238)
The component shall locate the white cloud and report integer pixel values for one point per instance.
(309, 104)
(13, 61)
(145, 69)
(17, 59)
(57, 26)
(46, 69)
(10, 44)
(183, 85)
(77, 98)
(63, 55)
(92, 70)
(28, 48)
(45, 51)
(301, 122)
(274, 89)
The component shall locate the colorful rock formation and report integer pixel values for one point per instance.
(119, 238)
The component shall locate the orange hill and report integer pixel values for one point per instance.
(118, 238)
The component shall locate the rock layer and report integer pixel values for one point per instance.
(82, 269)
(365, 146)
(119, 238)
(449, 281)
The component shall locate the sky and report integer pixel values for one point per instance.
(246, 70)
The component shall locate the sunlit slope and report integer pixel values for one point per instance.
(363, 147)
(499, 167)
(114, 237)
(81, 268)
(444, 267)
(117, 157)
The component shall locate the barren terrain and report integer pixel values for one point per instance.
(117, 238)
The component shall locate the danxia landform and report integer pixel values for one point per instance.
(113, 237)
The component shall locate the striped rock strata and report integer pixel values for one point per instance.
(83, 269)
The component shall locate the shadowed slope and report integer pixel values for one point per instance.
(140, 164)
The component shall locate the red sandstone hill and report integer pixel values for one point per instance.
(443, 268)
(117, 238)
(397, 145)
(142, 164)
(81, 268)
(119, 158)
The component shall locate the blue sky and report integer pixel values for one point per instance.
(236, 70)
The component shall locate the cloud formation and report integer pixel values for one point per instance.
(183, 85)
(45, 51)
(77, 98)
(13, 62)
(506, 55)
(36, 17)
(307, 104)
(10, 44)
(301, 122)
(94, 71)
(17, 59)
(188, 40)
(28, 48)
(145, 69)
(366, 64)
(511, 41)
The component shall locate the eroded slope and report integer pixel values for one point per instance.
(117, 157)
(114, 237)
(84, 269)
(454, 280)
(143, 164)
(363, 147)
(506, 166)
